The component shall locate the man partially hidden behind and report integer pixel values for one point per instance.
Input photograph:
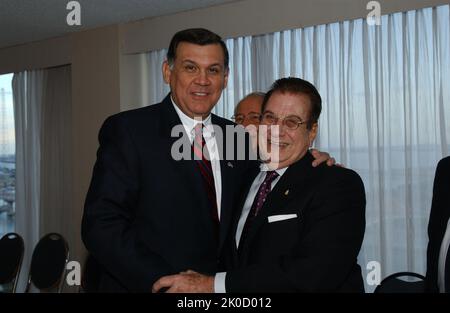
(248, 110)
(298, 228)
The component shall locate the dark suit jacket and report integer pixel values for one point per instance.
(315, 252)
(147, 215)
(439, 215)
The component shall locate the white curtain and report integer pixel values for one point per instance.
(57, 213)
(42, 108)
(157, 88)
(386, 112)
(28, 96)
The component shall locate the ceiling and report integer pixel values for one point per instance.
(23, 21)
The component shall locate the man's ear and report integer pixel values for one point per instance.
(313, 133)
(166, 71)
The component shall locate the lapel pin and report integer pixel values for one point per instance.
(286, 192)
(229, 164)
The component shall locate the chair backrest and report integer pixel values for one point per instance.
(11, 256)
(402, 282)
(48, 263)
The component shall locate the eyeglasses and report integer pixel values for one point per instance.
(292, 122)
(252, 117)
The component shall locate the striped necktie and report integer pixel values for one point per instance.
(202, 158)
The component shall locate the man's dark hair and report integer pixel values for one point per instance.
(198, 36)
(294, 85)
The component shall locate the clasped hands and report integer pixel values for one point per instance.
(187, 282)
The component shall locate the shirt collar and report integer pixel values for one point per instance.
(264, 168)
(189, 123)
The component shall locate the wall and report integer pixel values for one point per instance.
(40, 54)
(133, 81)
(95, 95)
(243, 18)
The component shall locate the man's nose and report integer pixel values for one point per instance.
(202, 78)
(276, 130)
(280, 128)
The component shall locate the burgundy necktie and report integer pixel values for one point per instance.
(258, 202)
(202, 158)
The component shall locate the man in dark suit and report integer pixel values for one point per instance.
(298, 228)
(438, 272)
(148, 213)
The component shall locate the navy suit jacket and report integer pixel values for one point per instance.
(147, 215)
(313, 252)
(439, 215)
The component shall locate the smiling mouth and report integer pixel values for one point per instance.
(200, 94)
(279, 144)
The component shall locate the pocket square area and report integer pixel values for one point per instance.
(281, 217)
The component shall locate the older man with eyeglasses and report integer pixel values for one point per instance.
(248, 110)
(299, 228)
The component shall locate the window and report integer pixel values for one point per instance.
(7, 156)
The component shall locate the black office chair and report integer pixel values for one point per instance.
(402, 282)
(11, 256)
(48, 263)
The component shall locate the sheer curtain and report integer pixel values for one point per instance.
(28, 97)
(57, 213)
(386, 112)
(42, 109)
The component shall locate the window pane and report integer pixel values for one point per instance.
(7, 156)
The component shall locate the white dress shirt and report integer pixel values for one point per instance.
(219, 280)
(442, 255)
(211, 144)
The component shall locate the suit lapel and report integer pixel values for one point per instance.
(186, 168)
(250, 177)
(226, 168)
(290, 185)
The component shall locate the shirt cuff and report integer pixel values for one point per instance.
(219, 282)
